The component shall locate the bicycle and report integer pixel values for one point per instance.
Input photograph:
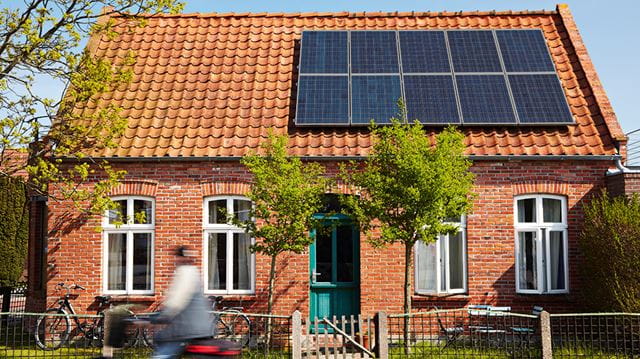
(231, 323)
(54, 327)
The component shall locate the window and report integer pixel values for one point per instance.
(441, 267)
(128, 246)
(541, 244)
(228, 261)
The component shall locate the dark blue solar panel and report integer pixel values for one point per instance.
(485, 99)
(324, 52)
(323, 100)
(431, 99)
(374, 97)
(539, 99)
(424, 51)
(374, 52)
(473, 51)
(524, 51)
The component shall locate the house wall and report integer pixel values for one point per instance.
(75, 246)
(623, 184)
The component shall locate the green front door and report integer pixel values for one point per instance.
(335, 270)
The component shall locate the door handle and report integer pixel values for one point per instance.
(314, 276)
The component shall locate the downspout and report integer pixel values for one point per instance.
(620, 168)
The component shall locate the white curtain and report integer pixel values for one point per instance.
(242, 261)
(556, 249)
(214, 273)
(527, 271)
(552, 210)
(426, 259)
(117, 261)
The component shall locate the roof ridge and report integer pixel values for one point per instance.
(444, 13)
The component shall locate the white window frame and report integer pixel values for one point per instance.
(229, 229)
(129, 228)
(543, 266)
(462, 229)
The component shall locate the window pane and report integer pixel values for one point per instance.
(443, 265)
(217, 261)
(241, 209)
(142, 212)
(117, 261)
(345, 253)
(456, 261)
(556, 251)
(426, 258)
(552, 210)
(527, 210)
(528, 267)
(241, 261)
(142, 261)
(218, 211)
(324, 265)
(119, 213)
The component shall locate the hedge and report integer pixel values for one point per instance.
(14, 230)
(610, 242)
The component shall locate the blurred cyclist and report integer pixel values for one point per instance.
(185, 311)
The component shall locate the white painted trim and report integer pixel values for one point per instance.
(542, 247)
(130, 214)
(443, 239)
(229, 230)
(129, 265)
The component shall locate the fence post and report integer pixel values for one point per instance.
(6, 302)
(296, 332)
(382, 335)
(545, 335)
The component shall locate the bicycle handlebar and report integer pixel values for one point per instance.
(70, 287)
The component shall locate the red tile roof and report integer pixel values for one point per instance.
(209, 85)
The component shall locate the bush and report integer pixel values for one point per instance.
(14, 230)
(610, 242)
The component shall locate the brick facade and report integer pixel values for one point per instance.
(623, 184)
(179, 187)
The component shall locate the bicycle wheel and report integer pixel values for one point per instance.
(241, 329)
(147, 337)
(52, 331)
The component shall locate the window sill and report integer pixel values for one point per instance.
(543, 294)
(234, 297)
(417, 297)
(133, 297)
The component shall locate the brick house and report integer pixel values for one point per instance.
(206, 91)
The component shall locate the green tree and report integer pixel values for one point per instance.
(409, 186)
(41, 42)
(610, 243)
(14, 230)
(286, 193)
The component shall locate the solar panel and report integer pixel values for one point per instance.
(485, 99)
(324, 52)
(424, 51)
(431, 99)
(539, 99)
(374, 97)
(323, 100)
(374, 52)
(524, 51)
(474, 51)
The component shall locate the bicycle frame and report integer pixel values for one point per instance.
(64, 303)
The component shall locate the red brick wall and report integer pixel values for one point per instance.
(179, 187)
(623, 184)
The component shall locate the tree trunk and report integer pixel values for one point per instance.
(272, 279)
(407, 295)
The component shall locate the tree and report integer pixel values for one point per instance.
(41, 43)
(286, 193)
(409, 187)
(610, 243)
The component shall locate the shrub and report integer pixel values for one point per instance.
(14, 230)
(610, 242)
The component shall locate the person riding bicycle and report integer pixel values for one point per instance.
(185, 311)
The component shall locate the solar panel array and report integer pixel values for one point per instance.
(470, 77)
